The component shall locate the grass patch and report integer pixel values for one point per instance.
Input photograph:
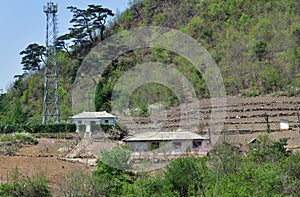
(56, 135)
(10, 143)
(23, 138)
(20, 185)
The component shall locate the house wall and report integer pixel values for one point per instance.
(88, 122)
(138, 146)
(166, 147)
(108, 121)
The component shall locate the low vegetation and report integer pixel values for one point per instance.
(266, 169)
(24, 138)
(38, 128)
(10, 143)
(20, 185)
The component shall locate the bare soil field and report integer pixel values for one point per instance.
(43, 159)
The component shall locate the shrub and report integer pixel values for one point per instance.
(141, 111)
(184, 177)
(55, 128)
(270, 80)
(25, 186)
(24, 138)
(253, 93)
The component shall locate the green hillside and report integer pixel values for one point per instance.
(256, 45)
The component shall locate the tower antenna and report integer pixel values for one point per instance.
(51, 108)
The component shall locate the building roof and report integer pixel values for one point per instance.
(93, 115)
(165, 136)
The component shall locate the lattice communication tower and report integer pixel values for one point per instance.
(51, 108)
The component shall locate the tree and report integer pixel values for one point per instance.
(33, 57)
(184, 177)
(268, 151)
(17, 116)
(296, 34)
(62, 45)
(113, 171)
(226, 159)
(269, 79)
(260, 50)
(87, 24)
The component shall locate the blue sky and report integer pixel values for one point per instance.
(24, 22)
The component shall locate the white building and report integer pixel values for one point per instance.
(284, 125)
(170, 143)
(87, 119)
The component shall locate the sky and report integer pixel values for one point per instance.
(24, 22)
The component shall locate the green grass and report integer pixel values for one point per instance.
(24, 138)
(62, 135)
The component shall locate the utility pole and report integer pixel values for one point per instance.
(298, 116)
(267, 120)
(51, 105)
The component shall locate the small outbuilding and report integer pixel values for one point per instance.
(85, 120)
(284, 125)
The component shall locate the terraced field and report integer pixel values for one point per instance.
(244, 116)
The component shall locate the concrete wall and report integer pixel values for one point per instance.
(166, 147)
(89, 122)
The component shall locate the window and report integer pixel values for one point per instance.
(106, 121)
(177, 145)
(79, 122)
(197, 144)
(154, 145)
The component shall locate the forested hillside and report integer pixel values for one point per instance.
(256, 45)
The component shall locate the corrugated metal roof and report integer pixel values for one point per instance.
(165, 136)
(93, 115)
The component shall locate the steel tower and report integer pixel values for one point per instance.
(51, 108)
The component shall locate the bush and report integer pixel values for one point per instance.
(184, 176)
(270, 80)
(253, 93)
(55, 128)
(12, 142)
(25, 186)
(292, 91)
(141, 111)
(24, 138)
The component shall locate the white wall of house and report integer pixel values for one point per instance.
(139, 146)
(166, 147)
(108, 121)
(89, 122)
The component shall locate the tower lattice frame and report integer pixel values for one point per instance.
(51, 103)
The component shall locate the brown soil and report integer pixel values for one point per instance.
(42, 159)
(244, 119)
